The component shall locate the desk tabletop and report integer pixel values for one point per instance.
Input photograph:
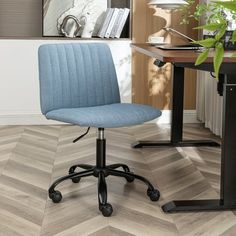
(178, 56)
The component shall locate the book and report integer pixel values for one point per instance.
(111, 23)
(107, 18)
(117, 22)
(122, 22)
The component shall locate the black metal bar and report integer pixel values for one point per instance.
(102, 189)
(184, 143)
(228, 160)
(82, 166)
(220, 84)
(177, 105)
(197, 205)
(118, 165)
(101, 153)
(128, 175)
(226, 68)
(70, 176)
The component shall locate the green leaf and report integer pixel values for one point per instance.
(230, 5)
(218, 58)
(234, 37)
(207, 43)
(210, 27)
(202, 57)
(234, 54)
(220, 33)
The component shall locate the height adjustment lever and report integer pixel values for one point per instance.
(81, 136)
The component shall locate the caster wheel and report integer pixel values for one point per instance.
(154, 194)
(55, 196)
(130, 179)
(75, 180)
(106, 209)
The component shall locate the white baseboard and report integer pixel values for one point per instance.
(190, 116)
(26, 119)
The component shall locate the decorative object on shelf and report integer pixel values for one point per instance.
(167, 4)
(88, 27)
(70, 26)
(89, 15)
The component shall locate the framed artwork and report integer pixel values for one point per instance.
(73, 18)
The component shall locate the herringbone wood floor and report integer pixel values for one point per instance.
(31, 157)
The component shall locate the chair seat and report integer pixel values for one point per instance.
(106, 116)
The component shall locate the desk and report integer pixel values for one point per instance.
(186, 59)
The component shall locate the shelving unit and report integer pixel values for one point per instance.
(23, 19)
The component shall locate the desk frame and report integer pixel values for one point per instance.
(227, 199)
(176, 136)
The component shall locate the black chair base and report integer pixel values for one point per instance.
(101, 171)
(101, 174)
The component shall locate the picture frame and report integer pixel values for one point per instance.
(73, 18)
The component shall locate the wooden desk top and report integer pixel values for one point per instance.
(177, 56)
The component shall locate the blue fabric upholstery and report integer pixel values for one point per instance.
(76, 75)
(78, 85)
(107, 116)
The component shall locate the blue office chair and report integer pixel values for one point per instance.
(78, 85)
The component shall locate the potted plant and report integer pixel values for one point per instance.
(216, 21)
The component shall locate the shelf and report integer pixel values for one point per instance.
(62, 38)
(23, 19)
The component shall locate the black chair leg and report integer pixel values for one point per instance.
(116, 166)
(55, 195)
(104, 207)
(82, 166)
(153, 193)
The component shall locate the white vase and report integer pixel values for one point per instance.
(88, 27)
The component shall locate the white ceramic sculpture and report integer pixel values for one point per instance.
(91, 10)
(70, 26)
(88, 27)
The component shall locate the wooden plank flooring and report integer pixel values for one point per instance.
(31, 157)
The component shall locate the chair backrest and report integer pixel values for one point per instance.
(76, 75)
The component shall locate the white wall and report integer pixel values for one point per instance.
(19, 86)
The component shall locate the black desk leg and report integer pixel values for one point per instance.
(176, 139)
(227, 199)
(177, 105)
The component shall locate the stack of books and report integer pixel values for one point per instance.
(114, 22)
